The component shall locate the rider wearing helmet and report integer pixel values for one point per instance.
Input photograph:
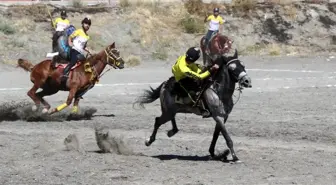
(188, 74)
(60, 24)
(215, 25)
(78, 41)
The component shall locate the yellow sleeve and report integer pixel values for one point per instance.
(75, 34)
(55, 22)
(209, 18)
(195, 67)
(221, 21)
(188, 72)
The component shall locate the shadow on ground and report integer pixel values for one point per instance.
(13, 111)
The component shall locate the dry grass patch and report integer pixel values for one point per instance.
(291, 11)
(244, 5)
(6, 27)
(77, 3)
(24, 25)
(155, 25)
(133, 61)
(274, 49)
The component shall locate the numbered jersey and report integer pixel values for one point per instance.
(214, 22)
(80, 39)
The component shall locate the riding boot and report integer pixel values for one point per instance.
(67, 70)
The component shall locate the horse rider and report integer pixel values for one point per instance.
(60, 24)
(188, 74)
(77, 42)
(215, 25)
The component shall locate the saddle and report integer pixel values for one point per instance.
(59, 62)
(182, 95)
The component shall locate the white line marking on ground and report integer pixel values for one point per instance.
(286, 70)
(157, 83)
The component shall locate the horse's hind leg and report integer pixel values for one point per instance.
(174, 130)
(43, 93)
(164, 118)
(32, 94)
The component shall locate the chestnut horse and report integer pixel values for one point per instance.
(82, 77)
(218, 45)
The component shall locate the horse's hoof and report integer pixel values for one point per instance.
(148, 142)
(171, 133)
(34, 108)
(51, 111)
(45, 110)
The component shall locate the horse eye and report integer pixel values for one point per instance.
(232, 66)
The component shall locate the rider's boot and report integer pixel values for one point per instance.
(66, 73)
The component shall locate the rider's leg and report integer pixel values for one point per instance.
(73, 61)
(207, 39)
(192, 85)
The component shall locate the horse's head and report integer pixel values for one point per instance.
(236, 69)
(113, 57)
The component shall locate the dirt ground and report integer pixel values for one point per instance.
(283, 130)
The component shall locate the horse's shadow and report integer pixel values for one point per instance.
(183, 157)
(220, 157)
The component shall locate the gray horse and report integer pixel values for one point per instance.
(217, 97)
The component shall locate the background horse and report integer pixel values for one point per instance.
(218, 45)
(82, 77)
(218, 98)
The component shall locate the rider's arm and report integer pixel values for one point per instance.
(73, 35)
(188, 72)
(207, 18)
(87, 49)
(54, 23)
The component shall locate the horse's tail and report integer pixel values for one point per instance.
(149, 96)
(25, 64)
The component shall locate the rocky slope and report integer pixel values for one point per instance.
(161, 32)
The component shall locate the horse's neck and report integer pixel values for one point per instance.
(98, 63)
(227, 85)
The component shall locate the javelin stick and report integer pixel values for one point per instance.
(52, 23)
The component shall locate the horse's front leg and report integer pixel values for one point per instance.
(215, 138)
(71, 96)
(75, 105)
(216, 108)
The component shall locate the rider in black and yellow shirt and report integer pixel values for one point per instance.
(188, 74)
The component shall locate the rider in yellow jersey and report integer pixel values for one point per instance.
(78, 41)
(215, 25)
(188, 74)
(60, 24)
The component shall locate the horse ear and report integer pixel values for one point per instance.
(113, 45)
(235, 54)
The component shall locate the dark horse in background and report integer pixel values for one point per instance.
(217, 96)
(218, 45)
(82, 77)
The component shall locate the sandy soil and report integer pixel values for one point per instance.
(283, 130)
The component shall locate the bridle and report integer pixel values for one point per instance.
(111, 58)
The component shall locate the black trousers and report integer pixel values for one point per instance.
(74, 54)
(186, 85)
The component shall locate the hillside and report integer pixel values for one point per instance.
(161, 31)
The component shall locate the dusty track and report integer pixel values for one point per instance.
(283, 130)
